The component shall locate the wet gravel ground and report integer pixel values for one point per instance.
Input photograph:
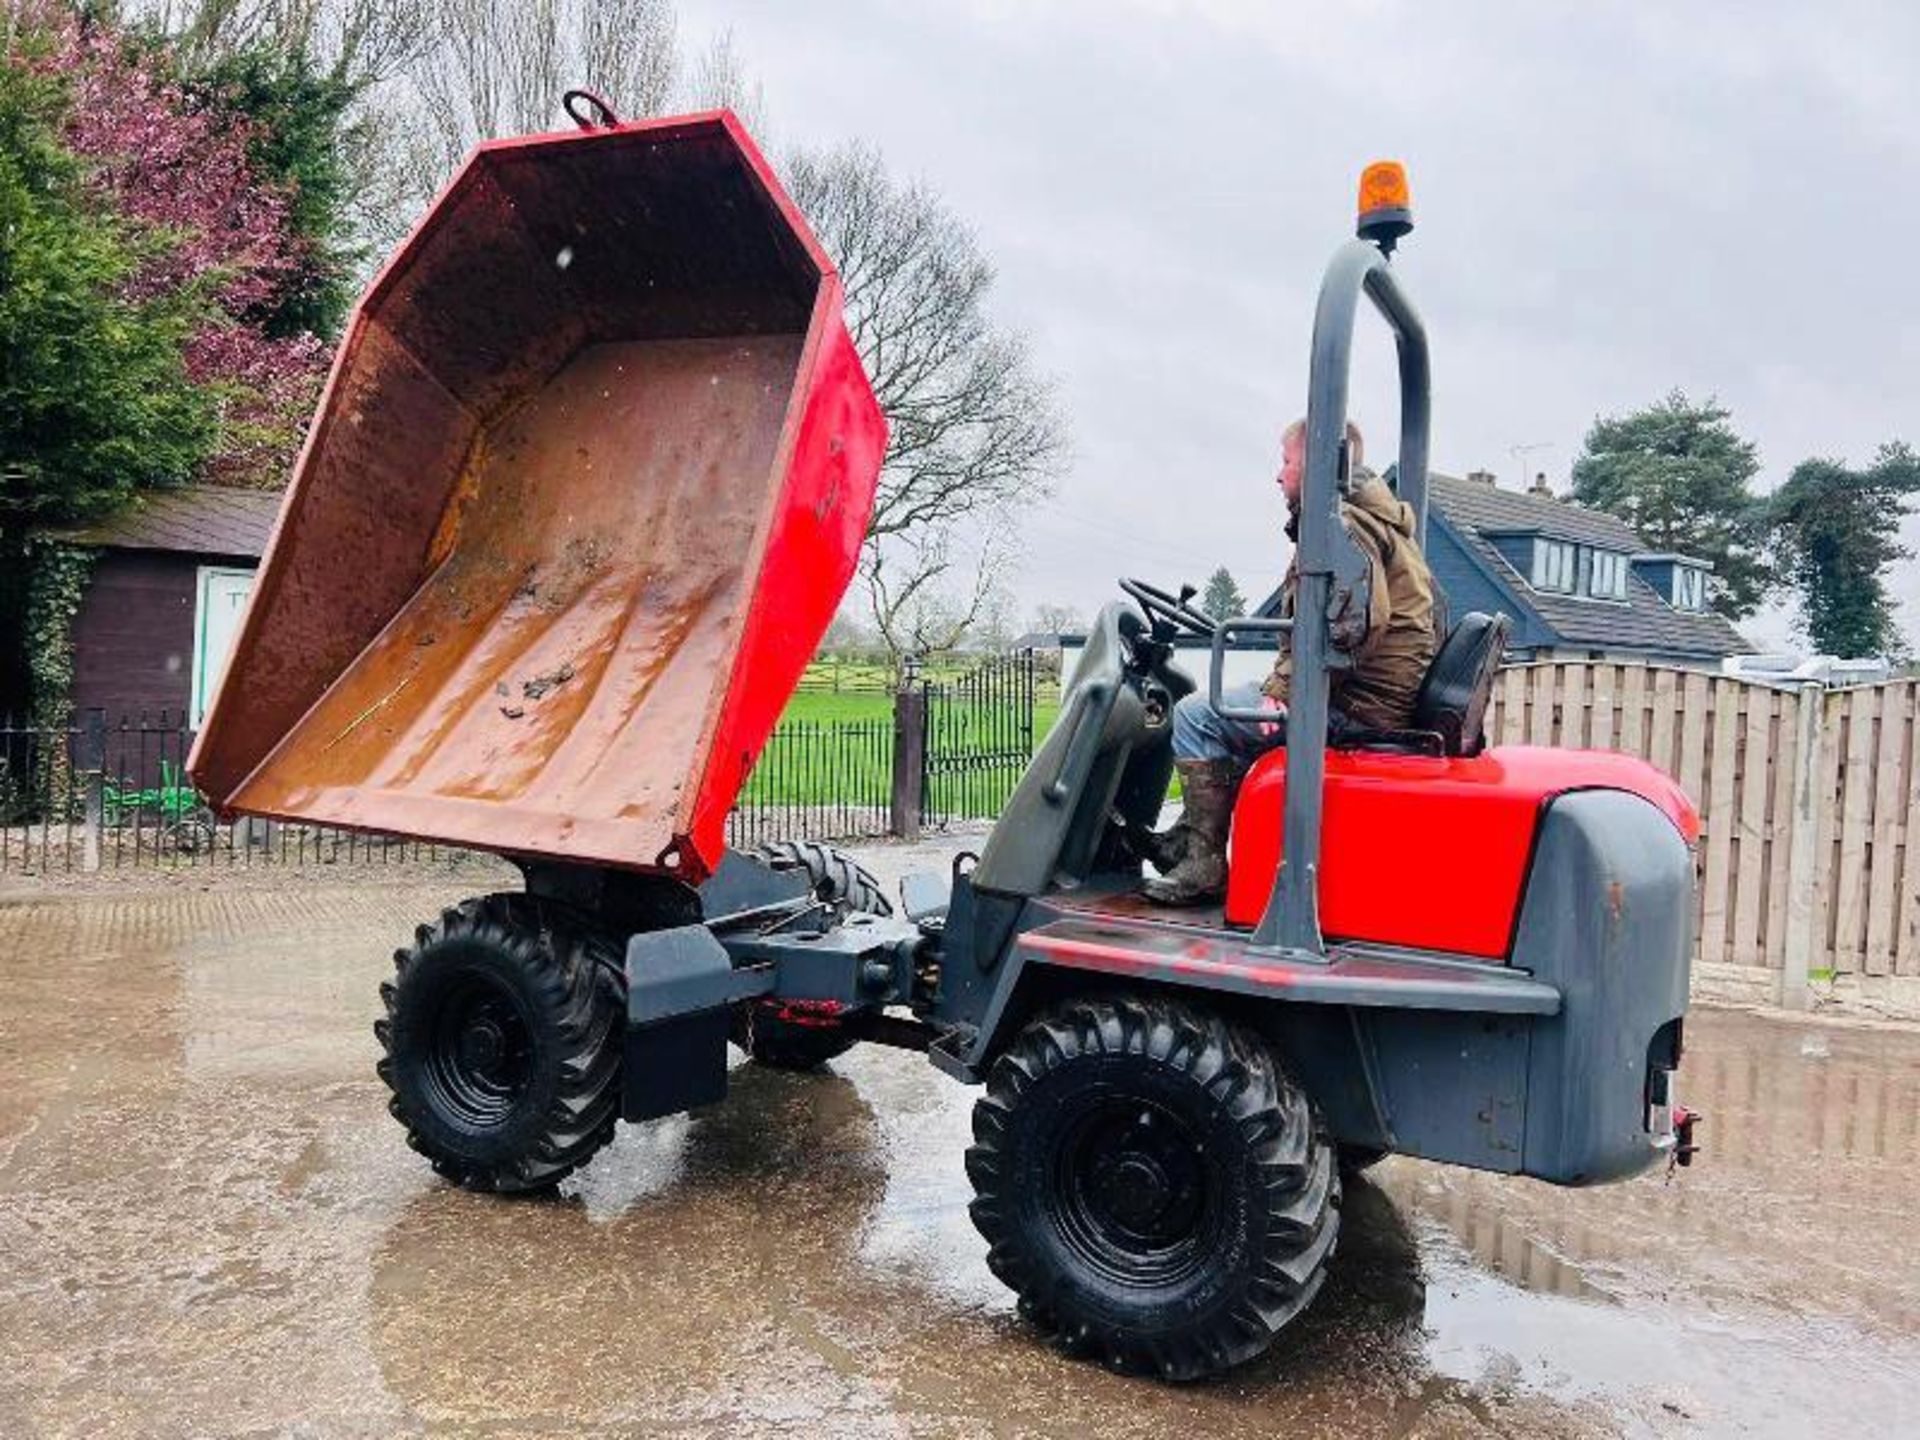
(209, 1225)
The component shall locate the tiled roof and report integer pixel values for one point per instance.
(1472, 509)
(1493, 511)
(195, 519)
(1644, 621)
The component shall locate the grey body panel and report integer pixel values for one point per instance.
(678, 972)
(1366, 976)
(1608, 921)
(674, 1051)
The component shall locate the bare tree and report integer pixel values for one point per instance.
(358, 43)
(1058, 620)
(848, 633)
(976, 434)
(924, 598)
(719, 79)
(499, 67)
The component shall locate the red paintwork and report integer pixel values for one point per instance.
(805, 571)
(1091, 936)
(1124, 950)
(1425, 852)
(585, 487)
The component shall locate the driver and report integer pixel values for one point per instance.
(1390, 642)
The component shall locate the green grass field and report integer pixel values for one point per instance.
(822, 707)
(835, 749)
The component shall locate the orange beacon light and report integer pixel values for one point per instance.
(1386, 205)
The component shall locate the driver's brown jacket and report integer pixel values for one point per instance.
(1390, 630)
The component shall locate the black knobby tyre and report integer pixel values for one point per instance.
(786, 1037)
(502, 1043)
(1152, 1186)
(836, 876)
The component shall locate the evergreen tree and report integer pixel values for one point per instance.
(1678, 473)
(1835, 532)
(1222, 598)
(295, 117)
(95, 397)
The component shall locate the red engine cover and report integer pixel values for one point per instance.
(1426, 852)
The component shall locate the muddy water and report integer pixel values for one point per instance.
(209, 1225)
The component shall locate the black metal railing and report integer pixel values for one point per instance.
(109, 795)
(101, 794)
(817, 780)
(980, 736)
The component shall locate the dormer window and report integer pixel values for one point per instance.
(1607, 576)
(1555, 566)
(1689, 588)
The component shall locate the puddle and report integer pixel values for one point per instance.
(211, 1224)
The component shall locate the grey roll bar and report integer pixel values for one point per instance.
(1223, 630)
(1292, 918)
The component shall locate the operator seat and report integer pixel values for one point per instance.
(1453, 698)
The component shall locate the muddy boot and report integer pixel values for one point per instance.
(1162, 849)
(1208, 787)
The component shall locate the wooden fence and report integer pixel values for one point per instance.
(1810, 801)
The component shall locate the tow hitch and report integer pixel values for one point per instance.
(1684, 1145)
(1671, 1122)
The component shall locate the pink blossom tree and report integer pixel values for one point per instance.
(177, 171)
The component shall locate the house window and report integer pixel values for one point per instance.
(1607, 579)
(1689, 588)
(1554, 565)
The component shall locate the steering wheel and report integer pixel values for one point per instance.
(1172, 610)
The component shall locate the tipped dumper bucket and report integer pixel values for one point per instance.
(584, 490)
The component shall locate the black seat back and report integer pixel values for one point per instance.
(1458, 687)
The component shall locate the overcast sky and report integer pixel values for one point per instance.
(1612, 201)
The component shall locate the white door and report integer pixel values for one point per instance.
(222, 601)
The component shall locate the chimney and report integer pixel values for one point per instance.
(1482, 477)
(1540, 487)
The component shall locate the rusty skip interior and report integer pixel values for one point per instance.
(507, 585)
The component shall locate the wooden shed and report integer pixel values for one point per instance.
(163, 600)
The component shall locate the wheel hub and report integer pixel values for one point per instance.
(480, 1059)
(1135, 1195)
(482, 1045)
(1133, 1189)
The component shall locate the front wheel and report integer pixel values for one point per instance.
(502, 1043)
(1151, 1185)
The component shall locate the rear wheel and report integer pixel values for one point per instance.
(784, 1035)
(1151, 1185)
(502, 1043)
(836, 876)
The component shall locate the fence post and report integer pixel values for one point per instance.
(1797, 959)
(909, 759)
(93, 769)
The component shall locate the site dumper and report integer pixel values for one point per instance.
(586, 485)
